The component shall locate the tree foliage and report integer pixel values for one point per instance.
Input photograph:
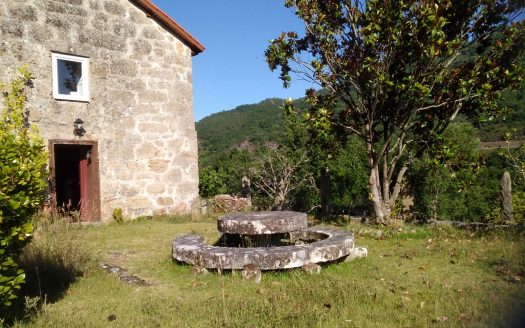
(278, 173)
(402, 71)
(348, 172)
(22, 183)
(452, 182)
(223, 172)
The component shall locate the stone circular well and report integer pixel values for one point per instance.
(262, 223)
(335, 244)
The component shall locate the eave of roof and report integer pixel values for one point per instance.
(171, 25)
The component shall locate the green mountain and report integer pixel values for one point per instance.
(243, 127)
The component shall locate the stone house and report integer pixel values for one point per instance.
(122, 70)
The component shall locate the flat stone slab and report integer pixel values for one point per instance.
(123, 275)
(191, 249)
(262, 223)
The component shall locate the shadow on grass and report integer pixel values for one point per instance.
(47, 281)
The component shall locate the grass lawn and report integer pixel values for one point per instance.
(413, 277)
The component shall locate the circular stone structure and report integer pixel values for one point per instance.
(289, 243)
(262, 223)
(334, 244)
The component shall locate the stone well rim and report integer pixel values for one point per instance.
(191, 249)
(262, 222)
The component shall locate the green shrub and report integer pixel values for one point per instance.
(452, 183)
(117, 215)
(518, 204)
(22, 183)
(211, 182)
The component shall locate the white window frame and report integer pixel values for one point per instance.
(84, 62)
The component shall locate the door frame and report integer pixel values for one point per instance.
(94, 183)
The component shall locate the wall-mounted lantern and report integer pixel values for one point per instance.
(79, 127)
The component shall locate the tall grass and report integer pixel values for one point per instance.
(57, 255)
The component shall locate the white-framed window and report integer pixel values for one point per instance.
(70, 77)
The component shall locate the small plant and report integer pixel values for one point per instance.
(117, 215)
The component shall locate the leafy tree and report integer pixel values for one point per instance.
(401, 71)
(224, 174)
(452, 182)
(277, 174)
(513, 120)
(516, 160)
(349, 171)
(317, 143)
(22, 183)
(211, 182)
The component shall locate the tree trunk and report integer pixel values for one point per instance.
(280, 197)
(433, 209)
(378, 205)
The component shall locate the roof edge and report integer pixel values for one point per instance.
(168, 22)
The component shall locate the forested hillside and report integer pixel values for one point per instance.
(248, 124)
(251, 125)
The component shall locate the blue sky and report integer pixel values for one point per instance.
(232, 71)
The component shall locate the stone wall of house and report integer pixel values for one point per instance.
(141, 107)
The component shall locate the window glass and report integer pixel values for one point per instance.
(69, 77)
(70, 80)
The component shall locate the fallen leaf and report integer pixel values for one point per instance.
(421, 305)
(463, 317)
(440, 319)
